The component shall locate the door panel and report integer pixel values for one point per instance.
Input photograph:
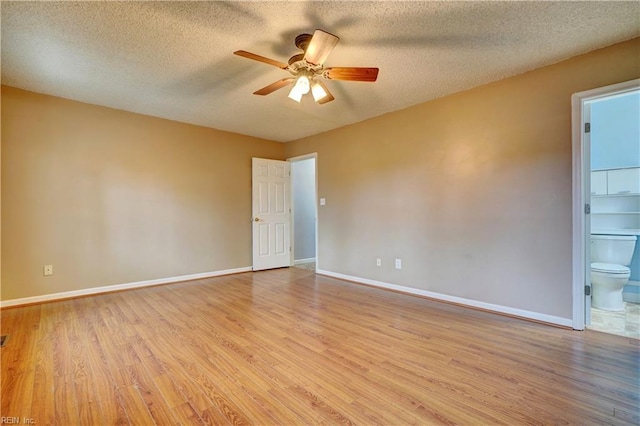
(271, 214)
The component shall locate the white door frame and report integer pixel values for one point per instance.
(293, 160)
(581, 195)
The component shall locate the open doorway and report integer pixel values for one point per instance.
(606, 209)
(304, 211)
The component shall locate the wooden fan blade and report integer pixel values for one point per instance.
(259, 58)
(327, 98)
(274, 86)
(321, 44)
(351, 74)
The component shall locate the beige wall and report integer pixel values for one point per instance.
(110, 197)
(472, 191)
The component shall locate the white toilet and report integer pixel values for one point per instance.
(610, 256)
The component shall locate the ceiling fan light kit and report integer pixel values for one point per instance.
(307, 68)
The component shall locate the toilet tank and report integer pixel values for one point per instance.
(616, 249)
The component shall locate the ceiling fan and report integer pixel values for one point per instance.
(308, 69)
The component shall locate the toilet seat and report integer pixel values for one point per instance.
(609, 268)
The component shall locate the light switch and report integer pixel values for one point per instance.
(323, 201)
(47, 270)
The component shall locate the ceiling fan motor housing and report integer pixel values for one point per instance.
(298, 65)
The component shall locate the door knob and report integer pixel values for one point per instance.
(257, 219)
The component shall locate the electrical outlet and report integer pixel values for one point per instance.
(398, 263)
(378, 261)
(48, 270)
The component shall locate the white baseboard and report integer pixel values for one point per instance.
(117, 287)
(565, 322)
(308, 260)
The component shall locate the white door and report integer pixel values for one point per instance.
(271, 214)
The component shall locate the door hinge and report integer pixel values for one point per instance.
(587, 290)
(587, 127)
(587, 209)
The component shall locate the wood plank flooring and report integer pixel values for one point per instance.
(289, 347)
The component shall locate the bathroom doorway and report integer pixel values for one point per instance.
(607, 209)
(304, 211)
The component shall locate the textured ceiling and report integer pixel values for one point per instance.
(175, 59)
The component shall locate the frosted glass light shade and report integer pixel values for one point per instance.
(300, 88)
(318, 92)
(303, 83)
(296, 95)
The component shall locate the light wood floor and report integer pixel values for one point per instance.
(289, 347)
